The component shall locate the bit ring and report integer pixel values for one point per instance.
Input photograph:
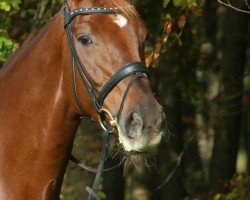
(110, 125)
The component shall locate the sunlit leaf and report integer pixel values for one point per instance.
(7, 47)
(165, 3)
(14, 3)
(168, 26)
(191, 3)
(168, 16)
(217, 197)
(5, 6)
(177, 3)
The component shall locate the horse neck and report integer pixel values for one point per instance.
(37, 123)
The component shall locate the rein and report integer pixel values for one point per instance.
(97, 97)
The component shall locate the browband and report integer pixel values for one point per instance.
(102, 10)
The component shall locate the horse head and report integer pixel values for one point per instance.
(107, 38)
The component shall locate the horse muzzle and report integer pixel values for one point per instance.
(141, 131)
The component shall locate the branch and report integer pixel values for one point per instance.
(178, 163)
(228, 4)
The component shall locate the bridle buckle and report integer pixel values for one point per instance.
(107, 125)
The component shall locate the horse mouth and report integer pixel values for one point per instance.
(145, 144)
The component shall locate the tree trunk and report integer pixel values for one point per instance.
(169, 152)
(142, 183)
(227, 131)
(208, 78)
(113, 182)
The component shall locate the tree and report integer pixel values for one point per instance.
(7, 45)
(234, 26)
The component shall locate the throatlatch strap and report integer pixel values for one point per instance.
(93, 191)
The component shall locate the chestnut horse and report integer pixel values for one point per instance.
(40, 105)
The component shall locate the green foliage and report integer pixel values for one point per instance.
(181, 3)
(7, 5)
(7, 45)
(165, 3)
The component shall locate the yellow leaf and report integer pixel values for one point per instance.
(217, 197)
(5, 6)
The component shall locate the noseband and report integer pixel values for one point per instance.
(97, 97)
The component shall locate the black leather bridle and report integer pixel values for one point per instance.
(97, 97)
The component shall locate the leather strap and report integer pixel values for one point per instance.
(127, 70)
(106, 143)
(92, 169)
(101, 10)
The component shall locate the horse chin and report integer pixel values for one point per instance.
(140, 145)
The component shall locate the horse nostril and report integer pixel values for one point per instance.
(134, 125)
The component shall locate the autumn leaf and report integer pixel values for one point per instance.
(168, 27)
(182, 21)
(197, 11)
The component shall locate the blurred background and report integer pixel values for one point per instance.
(199, 57)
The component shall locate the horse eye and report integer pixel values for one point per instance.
(85, 40)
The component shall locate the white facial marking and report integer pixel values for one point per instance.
(121, 21)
